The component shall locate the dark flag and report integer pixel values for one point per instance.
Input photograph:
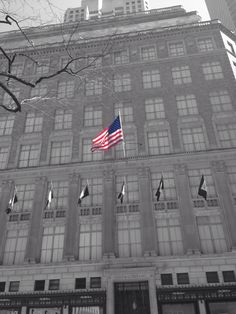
(83, 194)
(160, 188)
(12, 201)
(202, 190)
(122, 193)
(50, 196)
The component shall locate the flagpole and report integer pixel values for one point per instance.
(123, 134)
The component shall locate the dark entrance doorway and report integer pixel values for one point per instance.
(132, 298)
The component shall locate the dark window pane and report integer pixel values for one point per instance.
(166, 279)
(39, 285)
(54, 284)
(80, 283)
(229, 276)
(14, 286)
(95, 282)
(2, 286)
(182, 279)
(212, 277)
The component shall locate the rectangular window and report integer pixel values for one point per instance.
(39, 285)
(148, 53)
(205, 44)
(212, 71)
(42, 67)
(193, 139)
(63, 119)
(4, 152)
(186, 105)
(181, 75)
(17, 69)
(52, 244)
(66, 89)
(65, 60)
(93, 87)
(121, 57)
(95, 282)
(169, 192)
(94, 62)
(126, 111)
(34, 122)
(232, 178)
(228, 276)
(95, 192)
(80, 283)
(220, 101)
(169, 236)
(15, 246)
(211, 234)
(166, 279)
(158, 142)
(25, 195)
(54, 284)
(6, 124)
(92, 116)
(176, 49)
(151, 79)
(130, 147)
(227, 135)
(87, 155)
(29, 155)
(60, 152)
(129, 238)
(154, 108)
(2, 286)
(39, 90)
(122, 82)
(131, 188)
(60, 195)
(212, 277)
(182, 278)
(90, 241)
(194, 180)
(14, 286)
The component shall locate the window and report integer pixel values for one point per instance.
(130, 147)
(212, 70)
(17, 69)
(65, 60)
(182, 279)
(193, 139)
(126, 110)
(131, 188)
(14, 286)
(95, 282)
(186, 105)
(169, 237)
(205, 44)
(6, 124)
(232, 178)
(176, 49)
(87, 155)
(227, 135)
(29, 155)
(220, 101)
(60, 195)
(39, 285)
(54, 284)
(80, 283)
(122, 82)
(166, 279)
(212, 277)
(63, 119)
(148, 53)
(154, 108)
(90, 241)
(121, 57)
(42, 67)
(95, 192)
(169, 192)
(93, 87)
(94, 62)
(151, 79)
(4, 152)
(158, 142)
(211, 234)
(194, 180)
(34, 122)
(52, 244)
(60, 152)
(92, 116)
(129, 238)
(181, 75)
(25, 195)
(39, 90)
(15, 246)
(66, 89)
(228, 276)
(2, 286)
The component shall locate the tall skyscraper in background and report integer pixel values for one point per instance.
(224, 10)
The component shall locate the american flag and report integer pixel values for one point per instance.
(109, 136)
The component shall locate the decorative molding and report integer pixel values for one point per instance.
(219, 166)
(180, 168)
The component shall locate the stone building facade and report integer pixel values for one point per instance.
(173, 79)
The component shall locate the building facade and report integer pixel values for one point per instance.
(173, 79)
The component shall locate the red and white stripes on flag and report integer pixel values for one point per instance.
(109, 136)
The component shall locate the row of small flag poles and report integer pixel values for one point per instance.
(106, 139)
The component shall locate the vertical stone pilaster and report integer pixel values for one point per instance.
(202, 307)
(189, 226)
(71, 221)
(35, 233)
(147, 216)
(7, 192)
(226, 200)
(153, 295)
(110, 297)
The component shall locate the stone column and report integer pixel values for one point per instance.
(202, 307)
(110, 297)
(226, 200)
(153, 295)
(108, 215)
(71, 221)
(189, 226)
(7, 192)
(35, 232)
(149, 237)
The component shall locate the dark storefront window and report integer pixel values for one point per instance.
(2, 286)
(39, 285)
(229, 276)
(80, 283)
(54, 284)
(212, 277)
(95, 282)
(222, 308)
(179, 308)
(166, 279)
(14, 286)
(182, 279)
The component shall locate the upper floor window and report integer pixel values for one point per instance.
(181, 75)
(17, 69)
(212, 70)
(7, 99)
(25, 196)
(42, 67)
(4, 152)
(130, 147)
(63, 119)
(87, 155)
(205, 44)
(131, 188)
(186, 105)
(95, 192)
(194, 180)
(227, 135)
(122, 82)
(94, 62)
(66, 89)
(193, 139)
(39, 90)
(169, 192)
(148, 53)
(154, 108)
(15, 246)
(151, 79)
(60, 195)
(158, 142)
(52, 244)
(92, 116)
(14, 286)
(176, 49)
(60, 152)
(232, 178)
(34, 122)
(93, 87)
(126, 111)
(29, 155)
(220, 101)
(6, 124)
(121, 57)
(90, 241)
